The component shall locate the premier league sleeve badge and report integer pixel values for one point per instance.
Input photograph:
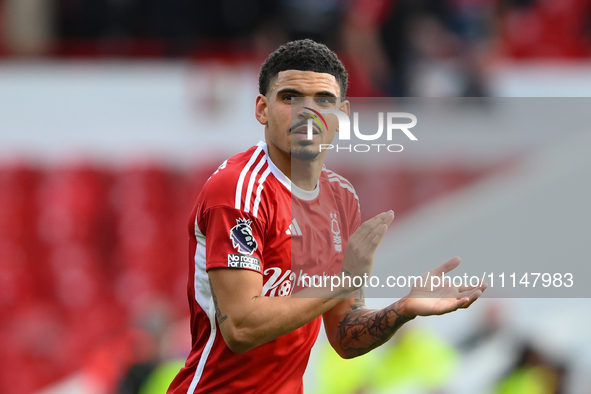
(242, 238)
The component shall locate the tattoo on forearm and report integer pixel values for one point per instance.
(363, 330)
(218, 313)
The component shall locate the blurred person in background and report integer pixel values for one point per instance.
(157, 359)
(319, 20)
(533, 373)
(249, 333)
(167, 28)
(27, 28)
(421, 48)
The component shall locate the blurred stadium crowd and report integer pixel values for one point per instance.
(93, 260)
(392, 48)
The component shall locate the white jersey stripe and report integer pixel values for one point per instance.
(341, 179)
(257, 201)
(276, 171)
(204, 356)
(335, 175)
(345, 186)
(243, 175)
(253, 177)
(297, 227)
(348, 187)
(205, 301)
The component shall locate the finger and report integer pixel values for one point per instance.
(471, 293)
(384, 218)
(466, 288)
(388, 218)
(459, 303)
(446, 267)
(365, 229)
(471, 299)
(378, 236)
(483, 286)
(467, 293)
(371, 243)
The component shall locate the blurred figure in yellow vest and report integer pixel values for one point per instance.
(418, 361)
(533, 374)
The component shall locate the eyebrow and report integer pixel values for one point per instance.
(295, 91)
(326, 93)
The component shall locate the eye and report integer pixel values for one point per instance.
(325, 100)
(292, 98)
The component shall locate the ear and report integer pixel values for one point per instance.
(260, 111)
(345, 106)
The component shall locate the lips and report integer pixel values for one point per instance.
(304, 130)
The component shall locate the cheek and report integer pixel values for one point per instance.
(279, 123)
(282, 119)
(333, 124)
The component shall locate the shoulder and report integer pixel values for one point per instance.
(236, 181)
(340, 187)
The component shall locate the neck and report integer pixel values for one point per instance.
(304, 174)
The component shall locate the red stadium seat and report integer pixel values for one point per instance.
(74, 204)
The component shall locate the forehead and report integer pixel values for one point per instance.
(305, 82)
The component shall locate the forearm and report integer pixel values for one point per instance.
(247, 320)
(362, 330)
(268, 318)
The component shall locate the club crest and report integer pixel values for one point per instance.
(242, 238)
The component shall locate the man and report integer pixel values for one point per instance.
(250, 335)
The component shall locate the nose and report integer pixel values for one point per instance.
(305, 107)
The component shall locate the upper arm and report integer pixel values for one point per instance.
(233, 291)
(234, 242)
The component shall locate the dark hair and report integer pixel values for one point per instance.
(303, 55)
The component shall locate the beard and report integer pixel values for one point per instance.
(304, 152)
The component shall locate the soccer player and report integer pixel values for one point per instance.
(250, 334)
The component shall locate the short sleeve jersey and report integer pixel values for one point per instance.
(250, 216)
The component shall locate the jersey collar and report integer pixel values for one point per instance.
(295, 191)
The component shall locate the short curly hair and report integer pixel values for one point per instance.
(303, 55)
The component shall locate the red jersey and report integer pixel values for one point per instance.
(248, 216)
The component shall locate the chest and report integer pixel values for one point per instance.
(307, 239)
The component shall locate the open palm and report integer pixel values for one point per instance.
(423, 300)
